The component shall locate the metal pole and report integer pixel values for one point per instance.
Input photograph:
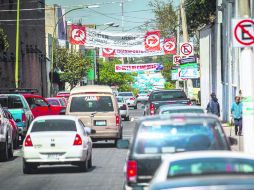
(53, 45)
(178, 40)
(17, 47)
(247, 85)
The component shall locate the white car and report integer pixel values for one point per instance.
(201, 163)
(123, 107)
(143, 96)
(57, 140)
(129, 98)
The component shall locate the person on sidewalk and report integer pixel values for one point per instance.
(213, 106)
(237, 111)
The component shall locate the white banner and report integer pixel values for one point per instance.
(137, 67)
(81, 35)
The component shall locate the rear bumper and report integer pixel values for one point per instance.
(106, 135)
(137, 187)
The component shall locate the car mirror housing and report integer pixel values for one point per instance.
(88, 130)
(123, 144)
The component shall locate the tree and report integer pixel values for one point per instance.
(165, 17)
(73, 66)
(199, 13)
(4, 44)
(108, 76)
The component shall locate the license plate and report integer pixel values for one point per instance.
(100, 123)
(53, 156)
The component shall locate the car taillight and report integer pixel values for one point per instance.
(78, 140)
(23, 117)
(148, 95)
(151, 109)
(131, 170)
(28, 141)
(118, 119)
(132, 98)
(189, 103)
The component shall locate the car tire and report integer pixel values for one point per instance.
(90, 161)
(10, 150)
(136, 107)
(127, 118)
(28, 168)
(84, 166)
(4, 156)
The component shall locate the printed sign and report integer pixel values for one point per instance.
(186, 49)
(169, 46)
(243, 32)
(152, 41)
(189, 71)
(191, 59)
(176, 59)
(77, 35)
(138, 67)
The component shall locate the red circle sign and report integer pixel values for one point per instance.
(239, 26)
(186, 49)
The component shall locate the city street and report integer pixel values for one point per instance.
(106, 174)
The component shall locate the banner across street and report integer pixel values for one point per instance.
(138, 67)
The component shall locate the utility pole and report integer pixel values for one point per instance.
(17, 47)
(178, 39)
(247, 85)
(122, 2)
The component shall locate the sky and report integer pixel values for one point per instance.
(136, 12)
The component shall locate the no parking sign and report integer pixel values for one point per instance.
(243, 32)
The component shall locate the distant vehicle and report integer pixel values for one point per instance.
(158, 98)
(57, 140)
(41, 107)
(15, 129)
(143, 96)
(19, 109)
(57, 102)
(196, 167)
(129, 98)
(6, 139)
(169, 134)
(63, 94)
(96, 106)
(123, 107)
(168, 109)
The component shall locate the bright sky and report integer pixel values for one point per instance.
(136, 12)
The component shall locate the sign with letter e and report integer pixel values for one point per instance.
(243, 32)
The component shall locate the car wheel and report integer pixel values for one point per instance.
(4, 156)
(84, 166)
(90, 162)
(28, 168)
(128, 118)
(10, 150)
(136, 107)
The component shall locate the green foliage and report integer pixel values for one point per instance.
(165, 17)
(169, 86)
(4, 44)
(199, 13)
(135, 91)
(108, 76)
(73, 65)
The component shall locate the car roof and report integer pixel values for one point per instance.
(206, 154)
(31, 95)
(91, 88)
(170, 90)
(68, 117)
(179, 107)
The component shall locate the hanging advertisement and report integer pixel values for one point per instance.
(189, 71)
(138, 67)
(174, 74)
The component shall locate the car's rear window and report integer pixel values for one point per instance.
(53, 102)
(119, 99)
(210, 166)
(167, 95)
(125, 94)
(159, 139)
(92, 104)
(61, 102)
(54, 125)
(182, 111)
(11, 102)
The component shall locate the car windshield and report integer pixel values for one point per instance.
(167, 95)
(91, 104)
(159, 139)
(189, 110)
(125, 94)
(53, 102)
(54, 125)
(210, 166)
(120, 100)
(11, 102)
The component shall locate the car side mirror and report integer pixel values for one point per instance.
(232, 141)
(88, 130)
(17, 120)
(123, 144)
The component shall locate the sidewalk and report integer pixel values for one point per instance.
(227, 128)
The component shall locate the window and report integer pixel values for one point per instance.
(61, 102)
(54, 125)
(40, 102)
(125, 94)
(183, 111)
(11, 102)
(167, 95)
(53, 102)
(91, 104)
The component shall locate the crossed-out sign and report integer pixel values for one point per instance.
(186, 49)
(243, 32)
(176, 59)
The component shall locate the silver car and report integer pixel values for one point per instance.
(178, 108)
(123, 107)
(129, 98)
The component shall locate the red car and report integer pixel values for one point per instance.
(40, 106)
(57, 102)
(15, 129)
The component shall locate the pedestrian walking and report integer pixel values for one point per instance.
(236, 112)
(213, 106)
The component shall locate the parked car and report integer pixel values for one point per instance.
(189, 167)
(180, 108)
(129, 98)
(40, 106)
(15, 129)
(6, 143)
(19, 109)
(97, 107)
(123, 107)
(63, 94)
(169, 134)
(158, 98)
(57, 102)
(57, 140)
(143, 96)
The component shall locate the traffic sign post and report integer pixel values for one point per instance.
(243, 32)
(186, 49)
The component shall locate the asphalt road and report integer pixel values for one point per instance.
(106, 174)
